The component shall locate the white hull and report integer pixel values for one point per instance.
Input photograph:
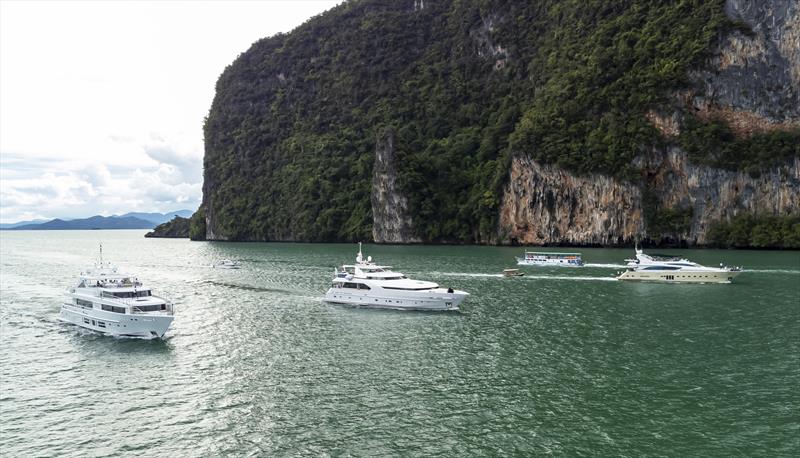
(428, 300)
(680, 276)
(146, 326)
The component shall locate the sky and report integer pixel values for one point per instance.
(102, 103)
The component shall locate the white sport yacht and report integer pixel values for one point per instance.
(108, 301)
(670, 269)
(370, 285)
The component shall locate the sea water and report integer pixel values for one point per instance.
(563, 360)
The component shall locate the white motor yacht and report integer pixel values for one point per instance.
(115, 303)
(367, 284)
(670, 269)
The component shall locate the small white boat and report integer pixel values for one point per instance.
(512, 273)
(673, 269)
(370, 285)
(228, 264)
(111, 302)
(542, 258)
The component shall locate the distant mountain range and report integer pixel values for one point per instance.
(133, 220)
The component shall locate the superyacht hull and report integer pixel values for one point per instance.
(144, 326)
(680, 277)
(423, 302)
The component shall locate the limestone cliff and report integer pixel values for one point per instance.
(392, 224)
(488, 121)
(751, 81)
(543, 204)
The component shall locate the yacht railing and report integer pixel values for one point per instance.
(169, 310)
(134, 304)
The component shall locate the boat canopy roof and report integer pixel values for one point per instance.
(549, 253)
(105, 275)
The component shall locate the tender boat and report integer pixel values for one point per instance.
(367, 284)
(228, 264)
(672, 269)
(111, 302)
(541, 258)
(512, 273)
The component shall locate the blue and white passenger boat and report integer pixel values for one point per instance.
(540, 258)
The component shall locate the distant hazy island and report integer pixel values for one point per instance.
(135, 220)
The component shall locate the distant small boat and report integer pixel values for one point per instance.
(540, 258)
(512, 273)
(228, 264)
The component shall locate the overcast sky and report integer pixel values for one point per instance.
(102, 103)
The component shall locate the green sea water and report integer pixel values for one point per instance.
(560, 361)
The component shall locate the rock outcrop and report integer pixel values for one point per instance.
(753, 79)
(543, 204)
(178, 228)
(392, 224)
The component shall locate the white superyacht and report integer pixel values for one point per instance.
(670, 269)
(367, 284)
(108, 301)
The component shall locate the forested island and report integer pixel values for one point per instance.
(502, 122)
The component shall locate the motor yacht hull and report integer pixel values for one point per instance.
(432, 301)
(679, 276)
(144, 326)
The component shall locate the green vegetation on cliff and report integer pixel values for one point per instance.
(197, 225)
(291, 136)
(177, 228)
(756, 231)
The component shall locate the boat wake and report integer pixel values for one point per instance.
(772, 271)
(606, 266)
(526, 276)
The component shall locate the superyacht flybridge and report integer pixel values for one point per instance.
(671, 269)
(111, 302)
(368, 284)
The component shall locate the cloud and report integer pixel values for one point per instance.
(175, 167)
(163, 175)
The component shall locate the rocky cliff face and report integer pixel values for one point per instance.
(719, 195)
(392, 224)
(474, 90)
(543, 204)
(752, 82)
(753, 79)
